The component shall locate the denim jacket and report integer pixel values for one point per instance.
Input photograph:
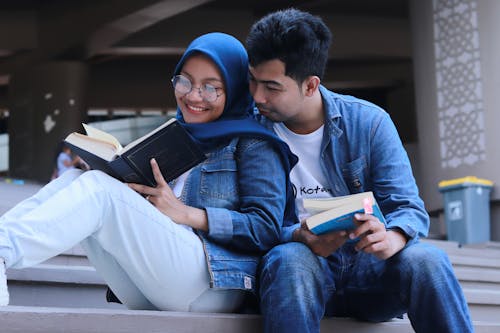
(361, 151)
(241, 186)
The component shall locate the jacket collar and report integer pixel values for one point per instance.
(332, 112)
(331, 109)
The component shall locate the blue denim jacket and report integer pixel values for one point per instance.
(361, 151)
(241, 186)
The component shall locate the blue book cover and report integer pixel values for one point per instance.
(341, 215)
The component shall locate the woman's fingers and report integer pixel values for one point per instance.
(160, 181)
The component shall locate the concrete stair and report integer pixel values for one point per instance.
(67, 280)
(478, 270)
(65, 294)
(19, 319)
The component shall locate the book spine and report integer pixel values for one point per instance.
(378, 213)
(94, 161)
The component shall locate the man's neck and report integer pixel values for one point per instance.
(310, 118)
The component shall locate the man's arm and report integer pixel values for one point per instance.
(393, 183)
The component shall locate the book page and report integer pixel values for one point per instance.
(97, 134)
(144, 137)
(317, 205)
(103, 149)
(337, 213)
(345, 210)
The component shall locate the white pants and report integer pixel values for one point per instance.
(147, 260)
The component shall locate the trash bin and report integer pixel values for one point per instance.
(467, 209)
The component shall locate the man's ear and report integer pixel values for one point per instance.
(310, 85)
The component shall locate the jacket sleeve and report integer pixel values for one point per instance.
(256, 225)
(393, 182)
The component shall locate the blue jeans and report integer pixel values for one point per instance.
(298, 288)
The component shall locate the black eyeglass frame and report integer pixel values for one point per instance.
(201, 90)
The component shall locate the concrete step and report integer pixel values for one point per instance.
(53, 285)
(482, 296)
(488, 275)
(50, 285)
(485, 287)
(483, 250)
(17, 319)
(475, 261)
(66, 290)
(69, 280)
(74, 256)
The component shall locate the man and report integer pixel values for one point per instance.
(345, 145)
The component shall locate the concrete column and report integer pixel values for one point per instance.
(457, 81)
(46, 103)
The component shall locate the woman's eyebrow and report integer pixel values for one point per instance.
(204, 79)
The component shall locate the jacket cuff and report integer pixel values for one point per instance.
(220, 225)
(287, 233)
(406, 230)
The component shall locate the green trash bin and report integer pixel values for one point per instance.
(467, 209)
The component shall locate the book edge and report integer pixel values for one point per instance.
(134, 143)
(333, 202)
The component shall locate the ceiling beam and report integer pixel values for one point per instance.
(64, 25)
(113, 32)
(354, 37)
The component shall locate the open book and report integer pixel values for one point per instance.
(170, 144)
(337, 213)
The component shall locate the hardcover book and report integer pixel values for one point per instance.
(170, 144)
(337, 213)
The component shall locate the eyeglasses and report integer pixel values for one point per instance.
(184, 86)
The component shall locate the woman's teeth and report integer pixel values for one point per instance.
(194, 108)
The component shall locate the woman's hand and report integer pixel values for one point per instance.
(163, 198)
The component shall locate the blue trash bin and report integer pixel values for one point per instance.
(467, 209)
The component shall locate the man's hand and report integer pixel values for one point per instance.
(375, 239)
(322, 245)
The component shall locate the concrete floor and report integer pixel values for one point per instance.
(13, 191)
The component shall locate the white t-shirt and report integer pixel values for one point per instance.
(179, 183)
(178, 186)
(307, 177)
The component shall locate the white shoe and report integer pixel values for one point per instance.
(4, 292)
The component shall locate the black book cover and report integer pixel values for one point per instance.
(172, 147)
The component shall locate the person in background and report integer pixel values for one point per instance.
(66, 161)
(193, 244)
(345, 145)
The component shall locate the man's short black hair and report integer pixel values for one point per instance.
(299, 39)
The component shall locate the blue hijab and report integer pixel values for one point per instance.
(230, 57)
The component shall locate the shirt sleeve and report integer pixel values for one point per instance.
(393, 182)
(287, 233)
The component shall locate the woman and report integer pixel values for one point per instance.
(195, 245)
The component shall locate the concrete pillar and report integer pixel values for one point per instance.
(457, 83)
(46, 103)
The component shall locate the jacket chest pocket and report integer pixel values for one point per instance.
(354, 175)
(219, 179)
